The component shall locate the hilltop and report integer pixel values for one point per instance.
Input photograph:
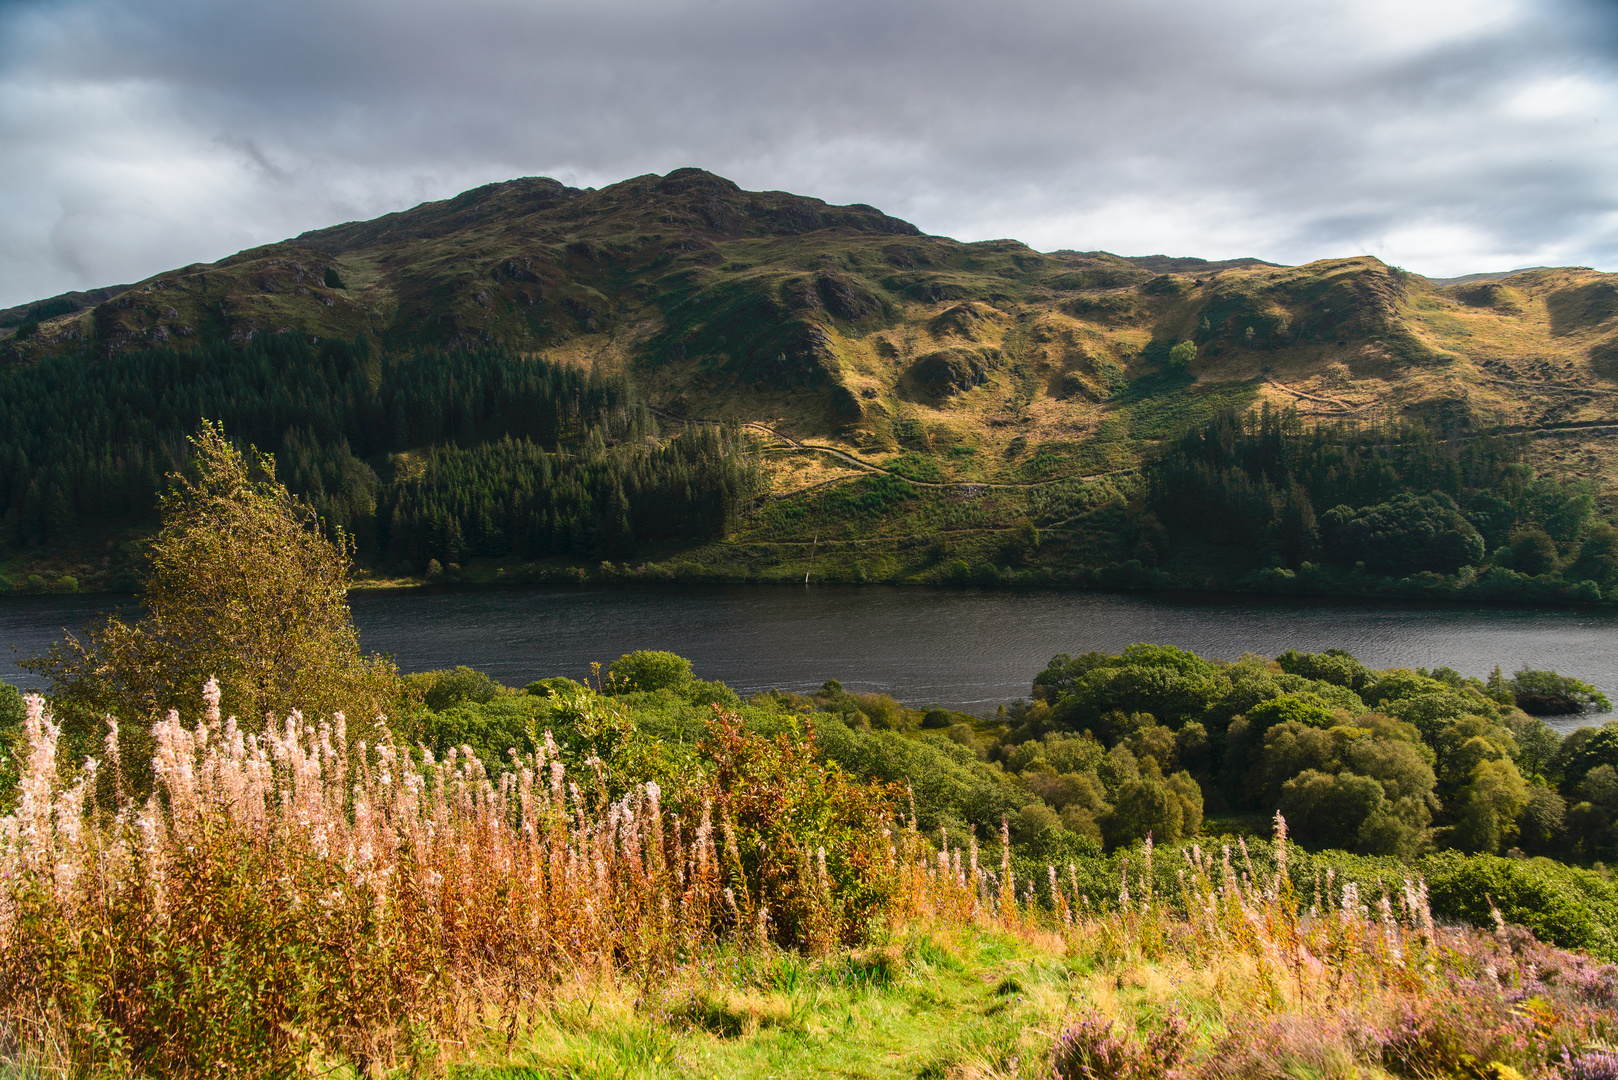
(857, 346)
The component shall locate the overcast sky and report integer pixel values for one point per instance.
(1445, 136)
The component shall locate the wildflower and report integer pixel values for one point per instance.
(1280, 849)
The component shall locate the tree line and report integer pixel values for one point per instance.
(417, 455)
(1390, 499)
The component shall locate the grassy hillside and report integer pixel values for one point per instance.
(861, 353)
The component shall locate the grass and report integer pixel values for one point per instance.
(923, 1004)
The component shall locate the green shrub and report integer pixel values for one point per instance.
(1545, 693)
(1577, 909)
(492, 729)
(783, 817)
(11, 743)
(649, 669)
(441, 690)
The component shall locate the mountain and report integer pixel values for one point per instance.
(894, 352)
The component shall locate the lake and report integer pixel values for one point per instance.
(961, 648)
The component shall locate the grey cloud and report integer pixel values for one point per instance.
(148, 133)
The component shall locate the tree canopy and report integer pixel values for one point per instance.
(244, 586)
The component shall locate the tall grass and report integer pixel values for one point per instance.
(305, 892)
(283, 902)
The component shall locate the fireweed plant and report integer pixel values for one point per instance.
(308, 890)
(311, 897)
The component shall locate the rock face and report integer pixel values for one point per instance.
(953, 371)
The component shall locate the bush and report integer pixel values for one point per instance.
(1545, 693)
(491, 729)
(649, 669)
(1574, 908)
(804, 837)
(443, 689)
(12, 743)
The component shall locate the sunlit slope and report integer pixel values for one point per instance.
(846, 326)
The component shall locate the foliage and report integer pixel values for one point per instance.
(1543, 693)
(644, 782)
(520, 455)
(1559, 904)
(802, 848)
(439, 690)
(13, 743)
(244, 586)
(513, 497)
(650, 669)
(1388, 501)
(300, 892)
(1376, 762)
(1403, 535)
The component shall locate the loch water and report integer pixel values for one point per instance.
(964, 649)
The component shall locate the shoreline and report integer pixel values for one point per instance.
(1105, 580)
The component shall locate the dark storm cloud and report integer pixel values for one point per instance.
(1447, 136)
